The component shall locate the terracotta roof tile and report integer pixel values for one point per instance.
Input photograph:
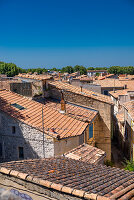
(78, 112)
(65, 86)
(110, 83)
(130, 107)
(36, 77)
(86, 153)
(118, 93)
(63, 125)
(77, 177)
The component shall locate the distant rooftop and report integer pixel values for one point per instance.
(109, 82)
(85, 92)
(36, 77)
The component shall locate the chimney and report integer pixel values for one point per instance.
(63, 104)
(125, 86)
(81, 88)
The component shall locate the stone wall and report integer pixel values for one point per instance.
(33, 190)
(24, 89)
(25, 136)
(65, 145)
(105, 115)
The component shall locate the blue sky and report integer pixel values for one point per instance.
(56, 33)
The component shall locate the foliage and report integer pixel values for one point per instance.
(10, 69)
(81, 69)
(129, 165)
(109, 163)
(121, 70)
(68, 69)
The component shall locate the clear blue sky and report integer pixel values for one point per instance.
(56, 33)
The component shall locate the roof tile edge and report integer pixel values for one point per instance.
(48, 184)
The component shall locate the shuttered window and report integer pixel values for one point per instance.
(90, 131)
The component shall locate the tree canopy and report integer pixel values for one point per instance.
(10, 69)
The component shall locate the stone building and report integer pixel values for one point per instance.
(29, 129)
(103, 124)
(125, 123)
(120, 97)
(93, 72)
(86, 83)
(109, 84)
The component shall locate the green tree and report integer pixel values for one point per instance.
(129, 165)
(81, 69)
(68, 69)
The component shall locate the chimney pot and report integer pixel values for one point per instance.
(63, 104)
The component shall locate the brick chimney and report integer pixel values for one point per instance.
(63, 104)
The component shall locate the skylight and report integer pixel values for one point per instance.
(18, 106)
(94, 94)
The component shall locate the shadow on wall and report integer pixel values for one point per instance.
(16, 138)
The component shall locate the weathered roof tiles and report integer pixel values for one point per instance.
(86, 153)
(75, 177)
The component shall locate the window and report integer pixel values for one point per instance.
(0, 149)
(90, 131)
(13, 129)
(131, 98)
(21, 153)
(105, 92)
(17, 106)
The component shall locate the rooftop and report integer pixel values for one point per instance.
(36, 77)
(110, 83)
(86, 153)
(103, 70)
(78, 112)
(94, 95)
(74, 177)
(118, 93)
(55, 123)
(130, 107)
(120, 117)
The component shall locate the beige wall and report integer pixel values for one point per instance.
(103, 134)
(65, 145)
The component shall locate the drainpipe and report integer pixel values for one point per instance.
(43, 133)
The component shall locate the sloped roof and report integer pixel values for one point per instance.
(36, 77)
(94, 95)
(118, 93)
(109, 82)
(130, 107)
(120, 116)
(78, 112)
(86, 153)
(74, 177)
(55, 123)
